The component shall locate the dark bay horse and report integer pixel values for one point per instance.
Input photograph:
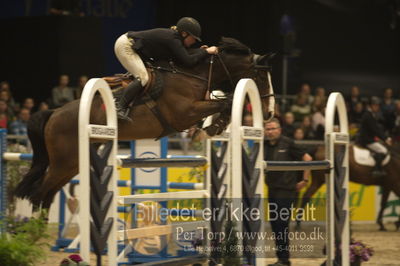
(182, 104)
(363, 175)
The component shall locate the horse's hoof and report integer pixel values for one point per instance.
(382, 229)
(297, 227)
(198, 135)
(211, 130)
(397, 225)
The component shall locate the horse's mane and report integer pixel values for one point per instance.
(233, 46)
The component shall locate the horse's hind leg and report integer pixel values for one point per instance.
(318, 179)
(59, 177)
(384, 199)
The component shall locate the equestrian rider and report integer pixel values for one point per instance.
(157, 44)
(370, 130)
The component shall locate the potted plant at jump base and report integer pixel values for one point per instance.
(359, 252)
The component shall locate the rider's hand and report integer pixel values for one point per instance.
(212, 50)
(204, 46)
(389, 141)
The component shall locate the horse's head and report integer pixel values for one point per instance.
(240, 62)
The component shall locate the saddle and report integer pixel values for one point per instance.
(151, 92)
(153, 87)
(364, 156)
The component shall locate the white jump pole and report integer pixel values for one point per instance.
(87, 131)
(239, 134)
(336, 103)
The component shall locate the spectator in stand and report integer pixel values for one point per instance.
(301, 107)
(288, 125)
(396, 129)
(81, 84)
(307, 128)
(320, 98)
(62, 94)
(5, 119)
(19, 127)
(388, 108)
(318, 120)
(356, 115)
(43, 106)
(5, 94)
(247, 119)
(29, 103)
(305, 89)
(353, 98)
(298, 134)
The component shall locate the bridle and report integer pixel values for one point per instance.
(256, 67)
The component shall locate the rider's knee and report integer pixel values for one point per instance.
(144, 78)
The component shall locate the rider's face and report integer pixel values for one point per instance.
(189, 40)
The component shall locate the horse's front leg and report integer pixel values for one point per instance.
(219, 123)
(211, 107)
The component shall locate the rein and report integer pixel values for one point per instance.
(174, 70)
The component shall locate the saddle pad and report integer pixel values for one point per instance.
(363, 156)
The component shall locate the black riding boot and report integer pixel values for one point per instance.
(378, 171)
(129, 94)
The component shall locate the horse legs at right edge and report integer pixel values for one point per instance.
(384, 199)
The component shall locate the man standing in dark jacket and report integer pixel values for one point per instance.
(370, 131)
(282, 185)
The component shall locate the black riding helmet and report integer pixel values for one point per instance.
(191, 26)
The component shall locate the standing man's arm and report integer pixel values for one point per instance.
(306, 173)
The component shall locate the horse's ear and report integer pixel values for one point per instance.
(263, 59)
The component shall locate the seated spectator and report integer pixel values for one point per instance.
(288, 125)
(307, 128)
(247, 119)
(81, 84)
(318, 104)
(62, 94)
(5, 94)
(3, 114)
(43, 106)
(29, 103)
(396, 129)
(321, 94)
(356, 115)
(318, 121)
(298, 134)
(19, 127)
(388, 108)
(300, 108)
(305, 89)
(353, 98)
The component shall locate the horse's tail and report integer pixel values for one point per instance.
(31, 182)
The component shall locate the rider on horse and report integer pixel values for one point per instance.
(156, 44)
(370, 130)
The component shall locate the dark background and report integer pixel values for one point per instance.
(338, 43)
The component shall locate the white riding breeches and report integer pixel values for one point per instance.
(377, 147)
(130, 59)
